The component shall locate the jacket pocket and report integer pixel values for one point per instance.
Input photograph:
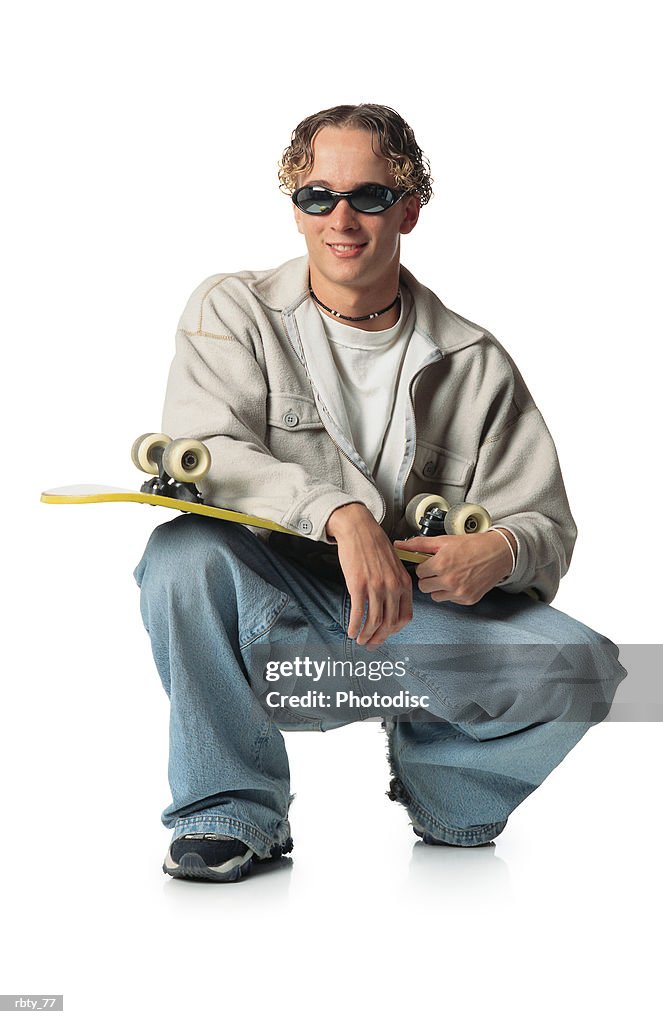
(435, 465)
(292, 412)
(435, 470)
(295, 433)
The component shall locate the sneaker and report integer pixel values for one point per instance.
(216, 858)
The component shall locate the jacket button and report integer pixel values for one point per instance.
(305, 526)
(291, 419)
(429, 469)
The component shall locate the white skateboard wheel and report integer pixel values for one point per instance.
(467, 518)
(144, 451)
(187, 460)
(418, 506)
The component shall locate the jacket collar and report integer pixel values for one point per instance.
(286, 287)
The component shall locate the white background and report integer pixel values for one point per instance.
(140, 150)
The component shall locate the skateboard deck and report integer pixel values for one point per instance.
(85, 494)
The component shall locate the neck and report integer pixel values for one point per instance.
(355, 302)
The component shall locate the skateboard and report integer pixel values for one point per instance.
(179, 465)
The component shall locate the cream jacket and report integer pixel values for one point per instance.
(243, 380)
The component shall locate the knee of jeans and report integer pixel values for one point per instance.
(601, 658)
(182, 552)
(583, 679)
(572, 682)
(572, 671)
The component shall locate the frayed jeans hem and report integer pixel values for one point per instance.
(256, 839)
(432, 829)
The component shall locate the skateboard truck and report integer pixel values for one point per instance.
(431, 516)
(177, 464)
(432, 522)
(169, 488)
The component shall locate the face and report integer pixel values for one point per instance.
(344, 159)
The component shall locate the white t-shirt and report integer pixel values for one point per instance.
(368, 365)
(374, 368)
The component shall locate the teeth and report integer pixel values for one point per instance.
(343, 247)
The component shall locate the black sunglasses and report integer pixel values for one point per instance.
(318, 200)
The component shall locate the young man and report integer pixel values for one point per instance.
(331, 391)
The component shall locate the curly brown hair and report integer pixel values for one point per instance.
(396, 142)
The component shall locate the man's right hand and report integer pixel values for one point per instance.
(374, 575)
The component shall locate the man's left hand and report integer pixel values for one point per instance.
(461, 568)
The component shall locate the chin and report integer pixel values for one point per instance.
(345, 273)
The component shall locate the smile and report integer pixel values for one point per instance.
(343, 249)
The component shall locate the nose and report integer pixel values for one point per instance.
(343, 217)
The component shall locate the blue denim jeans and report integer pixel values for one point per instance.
(512, 685)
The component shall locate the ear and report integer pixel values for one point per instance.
(410, 213)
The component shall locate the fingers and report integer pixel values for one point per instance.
(357, 607)
(379, 586)
(387, 610)
(429, 584)
(428, 545)
(373, 624)
(459, 595)
(396, 612)
(445, 588)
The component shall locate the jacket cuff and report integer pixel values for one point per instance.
(309, 516)
(532, 576)
(514, 554)
(523, 568)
